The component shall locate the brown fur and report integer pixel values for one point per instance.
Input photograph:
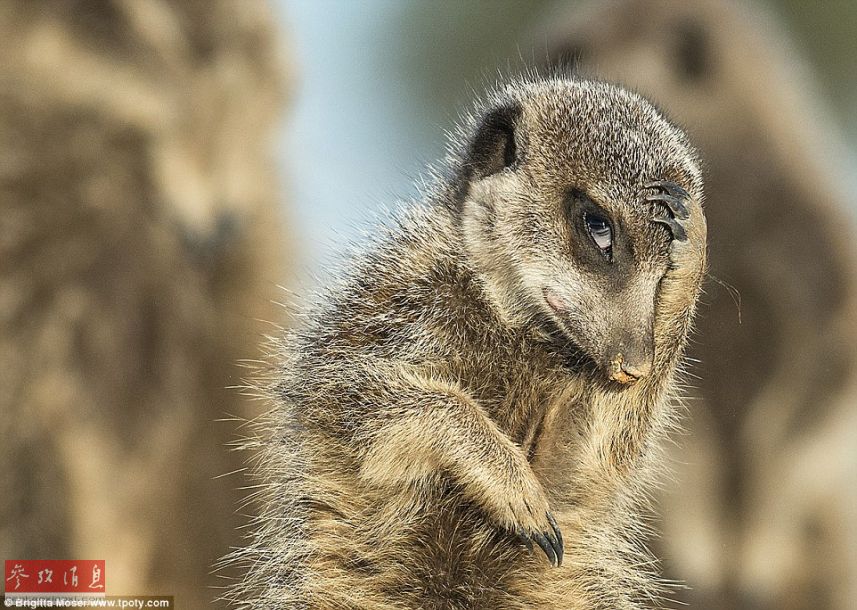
(757, 498)
(435, 404)
(139, 242)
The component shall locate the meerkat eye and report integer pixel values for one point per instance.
(600, 231)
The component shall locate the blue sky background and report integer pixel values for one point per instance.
(349, 146)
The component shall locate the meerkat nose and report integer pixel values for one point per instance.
(627, 372)
(638, 370)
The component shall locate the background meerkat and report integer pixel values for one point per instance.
(139, 243)
(765, 512)
(499, 362)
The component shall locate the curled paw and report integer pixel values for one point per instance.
(671, 207)
(519, 505)
(528, 516)
(549, 541)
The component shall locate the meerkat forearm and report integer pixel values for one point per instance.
(680, 287)
(445, 430)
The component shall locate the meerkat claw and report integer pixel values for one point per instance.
(674, 198)
(547, 546)
(671, 188)
(550, 542)
(559, 544)
(675, 204)
(679, 234)
(525, 540)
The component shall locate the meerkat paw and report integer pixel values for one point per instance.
(550, 541)
(682, 215)
(526, 513)
(672, 207)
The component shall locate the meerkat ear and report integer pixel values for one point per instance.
(494, 148)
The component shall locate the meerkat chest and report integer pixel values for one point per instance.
(525, 398)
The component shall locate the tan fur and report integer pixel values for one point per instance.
(435, 405)
(139, 244)
(760, 518)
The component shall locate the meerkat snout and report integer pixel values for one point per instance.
(631, 359)
(627, 353)
(627, 370)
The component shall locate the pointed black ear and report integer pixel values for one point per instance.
(493, 147)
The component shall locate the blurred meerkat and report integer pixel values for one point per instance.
(765, 513)
(139, 243)
(493, 373)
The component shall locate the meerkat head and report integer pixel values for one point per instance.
(552, 202)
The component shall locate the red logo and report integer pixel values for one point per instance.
(54, 576)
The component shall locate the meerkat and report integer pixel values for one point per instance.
(140, 241)
(765, 512)
(492, 374)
